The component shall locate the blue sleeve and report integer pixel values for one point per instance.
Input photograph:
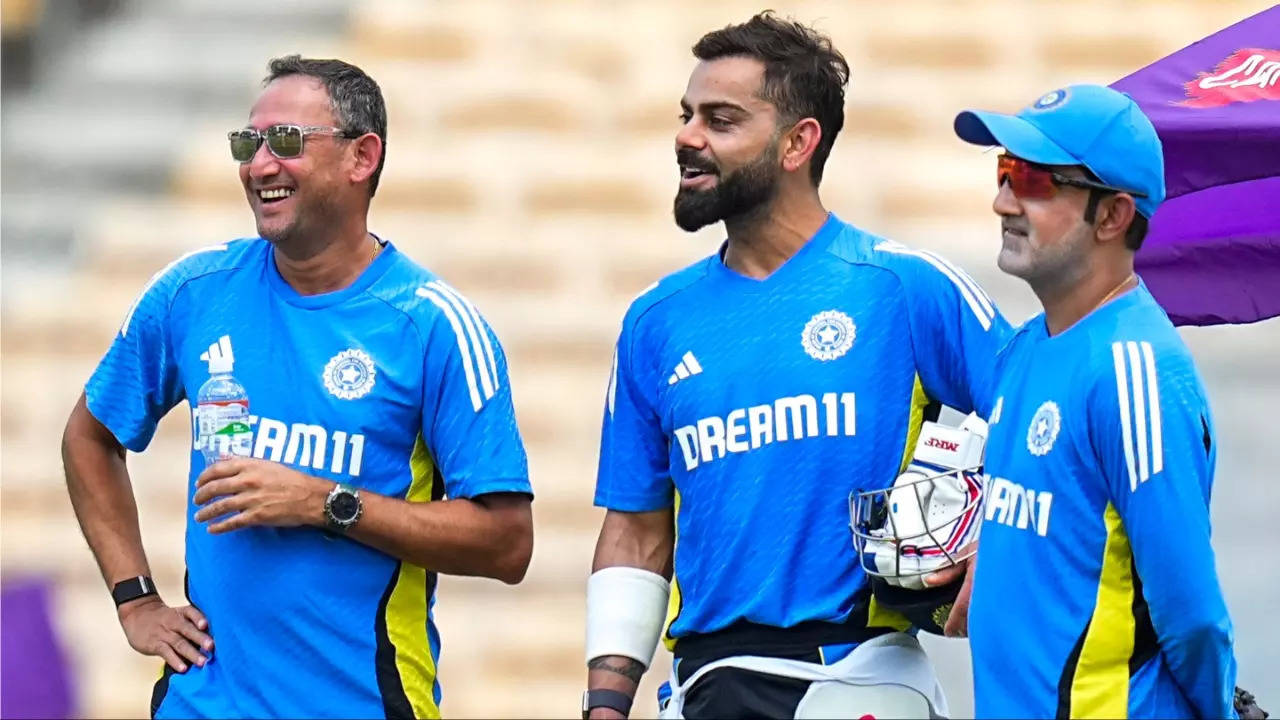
(1154, 439)
(634, 473)
(137, 382)
(468, 419)
(957, 332)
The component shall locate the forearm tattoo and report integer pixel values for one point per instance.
(626, 667)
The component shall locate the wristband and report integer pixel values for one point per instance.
(605, 698)
(132, 589)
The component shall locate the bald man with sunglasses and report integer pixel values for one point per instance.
(382, 444)
(1096, 594)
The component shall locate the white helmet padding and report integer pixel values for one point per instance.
(930, 517)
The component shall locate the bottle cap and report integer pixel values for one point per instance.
(219, 365)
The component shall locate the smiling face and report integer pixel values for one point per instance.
(293, 197)
(728, 147)
(1044, 239)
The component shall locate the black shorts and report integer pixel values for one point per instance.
(729, 693)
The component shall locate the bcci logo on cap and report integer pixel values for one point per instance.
(1044, 429)
(828, 335)
(1049, 101)
(350, 374)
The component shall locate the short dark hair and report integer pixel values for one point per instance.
(804, 76)
(355, 97)
(1137, 230)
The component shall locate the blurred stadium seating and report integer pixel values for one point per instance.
(530, 163)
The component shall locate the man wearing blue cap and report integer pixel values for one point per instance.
(1097, 594)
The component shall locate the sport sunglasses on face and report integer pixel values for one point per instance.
(1028, 180)
(284, 141)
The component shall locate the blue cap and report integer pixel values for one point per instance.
(1090, 125)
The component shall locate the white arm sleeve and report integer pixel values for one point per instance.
(626, 607)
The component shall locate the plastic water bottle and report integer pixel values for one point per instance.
(222, 412)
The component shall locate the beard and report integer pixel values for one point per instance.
(277, 232)
(740, 192)
(314, 210)
(1048, 264)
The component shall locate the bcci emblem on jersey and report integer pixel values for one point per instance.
(828, 335)
(350, 374)
(1044, 429)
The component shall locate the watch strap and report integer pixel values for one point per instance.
(132, 589)
(605, 698)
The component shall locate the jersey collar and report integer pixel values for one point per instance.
(820, 240)
(376, 269)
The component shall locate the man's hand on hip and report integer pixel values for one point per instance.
(247, 491)
(175, 634)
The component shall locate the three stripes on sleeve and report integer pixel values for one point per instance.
(974, 296)
(1138, 395)
(474, 345)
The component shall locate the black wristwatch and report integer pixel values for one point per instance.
(605, 698)
(342, 508)
(132, 589)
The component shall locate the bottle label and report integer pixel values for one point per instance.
(223, 429)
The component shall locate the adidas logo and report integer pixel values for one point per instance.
(687, 366)
(219, 351)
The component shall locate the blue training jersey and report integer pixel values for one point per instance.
(754, 407)
(1096, 593)
(394, 384)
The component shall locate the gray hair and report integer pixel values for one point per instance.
(354, 96)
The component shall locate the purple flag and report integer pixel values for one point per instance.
(1213, 253)
(37, 682)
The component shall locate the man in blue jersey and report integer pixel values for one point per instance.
(1096, 594)
(384, 446)
(751, 393)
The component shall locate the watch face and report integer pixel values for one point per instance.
(344, 506)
